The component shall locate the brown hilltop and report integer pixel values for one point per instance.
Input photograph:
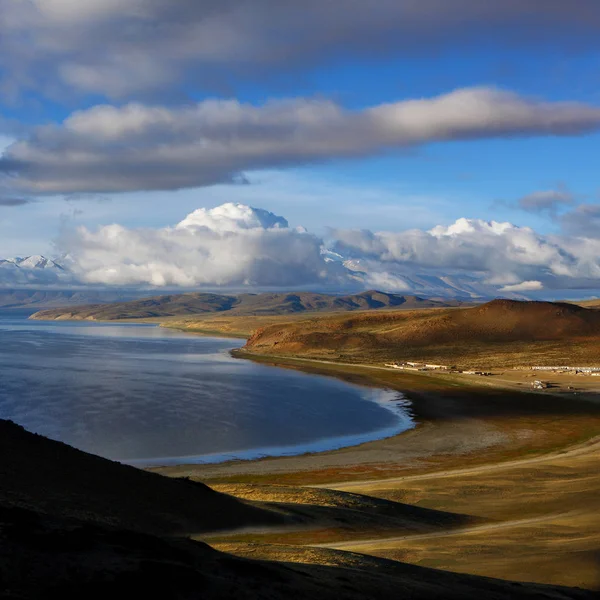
(501, 325)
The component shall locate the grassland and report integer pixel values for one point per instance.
(501, 333)
(510, 475)
(510, 478)
(73, 525)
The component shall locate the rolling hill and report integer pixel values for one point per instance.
(77, 526)
(184, 305)
(500, 329)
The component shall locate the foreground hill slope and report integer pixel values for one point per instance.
(458, 335)
(41, 474)
(185, 305)
(46, 557)
(76, 526)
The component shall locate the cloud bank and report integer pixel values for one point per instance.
(499, 254)
(136, 147)
(139, 47)
(236, 246)
(231, 245)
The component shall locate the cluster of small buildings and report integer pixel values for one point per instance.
(418, 366)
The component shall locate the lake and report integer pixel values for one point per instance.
(151, 396)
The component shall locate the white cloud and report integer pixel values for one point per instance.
(498, 254)
(231, 245)
(231, 217)
(524, 286)
(122, 49)
(234, 246)
(136, 147)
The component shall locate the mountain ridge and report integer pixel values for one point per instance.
(197, 303)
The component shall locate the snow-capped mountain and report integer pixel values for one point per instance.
(424, 282)
(35, 261)
(32, 270)
(411, 280)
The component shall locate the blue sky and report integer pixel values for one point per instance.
(344, 56)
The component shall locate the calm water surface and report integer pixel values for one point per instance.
(146, 395)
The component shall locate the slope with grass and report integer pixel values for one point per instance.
(73, 525)
(499, 333)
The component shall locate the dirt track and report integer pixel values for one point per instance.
(577, 450)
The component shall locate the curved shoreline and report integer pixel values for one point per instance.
(399, 406)
(470, 421)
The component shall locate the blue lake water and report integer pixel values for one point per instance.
(146, 395)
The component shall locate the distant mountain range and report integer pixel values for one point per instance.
(182, 305)
(449, 283)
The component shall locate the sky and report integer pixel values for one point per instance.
(396, 140)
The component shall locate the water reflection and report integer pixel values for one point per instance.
(139, 392)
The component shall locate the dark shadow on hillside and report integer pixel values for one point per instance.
(42, 474)
(43, 557)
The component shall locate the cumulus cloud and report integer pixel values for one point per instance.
(123, 49)
(231, 245)
(232, 218)
(138, 147)
(234, 246)
(547, 201)
(524, 286)
(498, 254)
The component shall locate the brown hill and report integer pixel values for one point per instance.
(454, 334)
(77, 526)
(185, 305)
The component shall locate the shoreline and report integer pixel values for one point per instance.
(397, 418)
(398, 406)
(465, 420)
(457, 416)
